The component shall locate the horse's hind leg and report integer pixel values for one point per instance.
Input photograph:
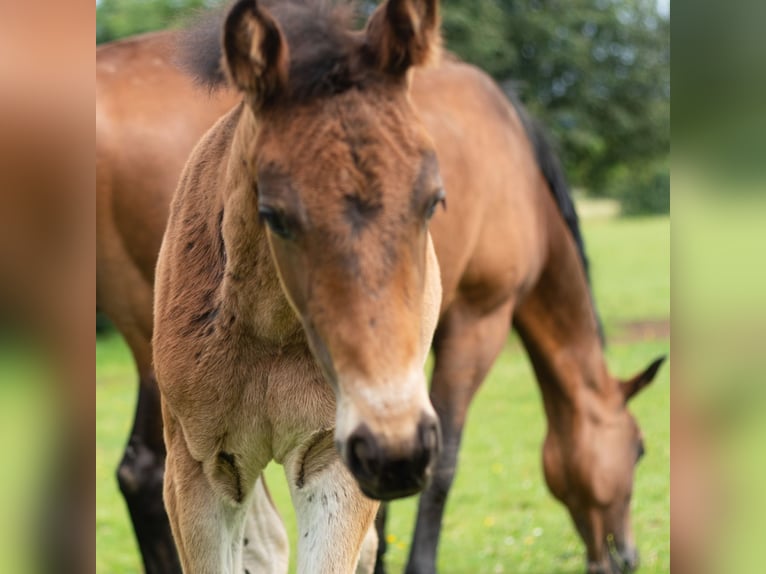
(335, 519)
(380, 529)
(265, 545)
(466, 344)
(140, 478)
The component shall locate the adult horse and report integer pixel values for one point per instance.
(506, 253)
(148, 117)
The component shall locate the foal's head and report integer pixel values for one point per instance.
(346, 180)
(589, 465)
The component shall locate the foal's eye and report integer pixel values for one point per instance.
(438, 198)
(276, 220)
(641, 450)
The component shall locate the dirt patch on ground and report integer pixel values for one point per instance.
(649, 330)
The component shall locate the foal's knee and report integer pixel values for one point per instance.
(226, 478)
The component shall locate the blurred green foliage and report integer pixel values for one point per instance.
(595, 72)
(643, 189)
(119, 18)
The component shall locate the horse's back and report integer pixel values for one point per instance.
(490, 240)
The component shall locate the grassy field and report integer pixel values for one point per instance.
(500, 517)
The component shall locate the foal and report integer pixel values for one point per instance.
(297, 253)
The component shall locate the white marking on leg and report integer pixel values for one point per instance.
(333, 517)
(368, 553)
(265, 544)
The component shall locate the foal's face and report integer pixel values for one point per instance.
(346, 181)
(591, 470)
(346, 188)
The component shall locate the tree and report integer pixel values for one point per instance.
(119, 18)
(596, 72)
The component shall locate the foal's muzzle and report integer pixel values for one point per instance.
(386, 472)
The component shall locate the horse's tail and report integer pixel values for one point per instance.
(550, 166)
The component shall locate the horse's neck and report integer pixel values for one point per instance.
(557, 323)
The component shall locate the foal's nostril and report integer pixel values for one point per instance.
(388, 470)
(363, 453)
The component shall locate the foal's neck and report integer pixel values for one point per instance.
(251, 288)
(557, 323)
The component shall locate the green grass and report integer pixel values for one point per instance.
(29, 421)
(500, 517)
(630, 268)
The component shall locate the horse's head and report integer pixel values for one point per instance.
(347, 180)
(589, 465)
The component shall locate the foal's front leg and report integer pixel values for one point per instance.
(266, 548)
(207, 503)
(334, 517)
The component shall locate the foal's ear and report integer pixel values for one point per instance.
(255, 54)
(404, 33)
(631, 387)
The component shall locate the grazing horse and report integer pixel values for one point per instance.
(509, 250)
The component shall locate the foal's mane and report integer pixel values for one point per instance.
(319, 34)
